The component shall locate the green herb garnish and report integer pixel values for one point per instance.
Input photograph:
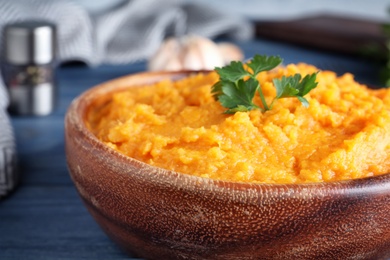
(237, 86)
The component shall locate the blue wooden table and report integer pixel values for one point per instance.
(44, 217)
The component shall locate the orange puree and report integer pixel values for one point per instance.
(343, 134)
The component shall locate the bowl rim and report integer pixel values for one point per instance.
(75, 117)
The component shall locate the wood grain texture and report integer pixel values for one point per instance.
(160, 214)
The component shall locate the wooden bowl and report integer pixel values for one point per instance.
(160, 214)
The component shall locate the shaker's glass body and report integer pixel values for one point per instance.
(31, 88)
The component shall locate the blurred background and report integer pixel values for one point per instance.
(280, 9)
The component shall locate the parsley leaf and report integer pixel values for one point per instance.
(286, 86)
(307, 84)
(237, 86)
(232, 72)
(293, 86)
(238, 97)
(261, 63)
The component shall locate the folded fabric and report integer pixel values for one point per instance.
(8, 171)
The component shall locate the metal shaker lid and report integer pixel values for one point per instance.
(29, 42)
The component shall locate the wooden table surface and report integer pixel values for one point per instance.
(44, 218)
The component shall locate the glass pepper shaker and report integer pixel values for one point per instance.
(29, 66)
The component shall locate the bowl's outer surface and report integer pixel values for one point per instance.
(159, 214)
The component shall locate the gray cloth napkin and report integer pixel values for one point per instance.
(8, 170)
(126, 33)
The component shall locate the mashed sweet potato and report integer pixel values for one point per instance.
(343, 134)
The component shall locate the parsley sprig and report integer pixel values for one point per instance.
(237, 86)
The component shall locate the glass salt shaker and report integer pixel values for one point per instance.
(29, 67)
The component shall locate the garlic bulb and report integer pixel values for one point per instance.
(230, 52)
(193, 53)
